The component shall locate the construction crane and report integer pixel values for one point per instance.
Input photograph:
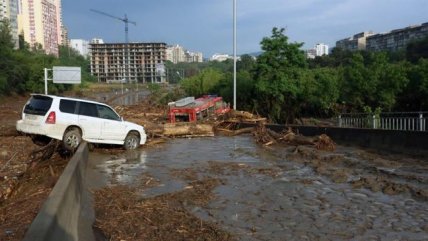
(126, 21)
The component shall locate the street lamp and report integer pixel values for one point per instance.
(234, 54)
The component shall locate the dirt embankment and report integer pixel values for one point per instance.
(25, 179)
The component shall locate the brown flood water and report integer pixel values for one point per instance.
(281, 193)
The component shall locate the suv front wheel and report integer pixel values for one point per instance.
(132, 141)
(72, 139)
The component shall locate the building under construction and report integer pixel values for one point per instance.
(132, 62)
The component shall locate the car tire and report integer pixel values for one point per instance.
(132, 141)
(72, 139)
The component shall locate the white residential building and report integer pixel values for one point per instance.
(194, 57)
(311, 53)
(321, 49)
(97, 41)
(220, 57)
(81, 46)
(177, 54)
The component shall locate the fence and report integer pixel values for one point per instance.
(404, 121)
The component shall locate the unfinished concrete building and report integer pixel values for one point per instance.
(116, 62)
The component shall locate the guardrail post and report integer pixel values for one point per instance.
(340, 120)
(374, 122)
(421, 120)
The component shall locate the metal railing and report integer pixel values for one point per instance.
(404, 121)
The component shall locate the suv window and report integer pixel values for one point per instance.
(67, 106)
(38, 105)
(88, 109)
(107, 113)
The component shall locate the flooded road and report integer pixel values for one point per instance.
(281, 193)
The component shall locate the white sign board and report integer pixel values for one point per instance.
(160, 68)
(66, 75)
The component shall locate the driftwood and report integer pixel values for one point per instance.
(242, 114)
(268, 137)
(229, 132)
(46, 152)
(188, 130)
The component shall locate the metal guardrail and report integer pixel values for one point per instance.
(403, 121)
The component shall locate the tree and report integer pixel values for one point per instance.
(278, 74)
(417, 49)
(320, 92)
(203, 83)
(6, 39)
(246, 63)
(415, 94)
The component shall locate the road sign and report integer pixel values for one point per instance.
(66, 75)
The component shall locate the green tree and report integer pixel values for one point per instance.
(6, 40)
(415, 94)
(278, 74)
(356, 87)
(320, 92)
(203, 83)
(416, 50)
(246, 63)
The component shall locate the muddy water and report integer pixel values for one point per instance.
(265, 196)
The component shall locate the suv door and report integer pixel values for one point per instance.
(113, 128)
(89, 122)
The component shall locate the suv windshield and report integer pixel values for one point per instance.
(38, 105)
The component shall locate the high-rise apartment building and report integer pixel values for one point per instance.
(81, 46)
(64, 36)
(390, 41)
(396, 39)
(9, 10)
(175, 54)
(178, 54)
(354, 43)
(144, 62)
(321, 49)
(194, 57)
(41, 23)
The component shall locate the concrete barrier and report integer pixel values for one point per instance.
(407, 142)
(67, 214)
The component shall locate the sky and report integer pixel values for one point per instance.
(207, 25)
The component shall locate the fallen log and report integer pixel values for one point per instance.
(243, 114)
(228, 132)
(188, 130)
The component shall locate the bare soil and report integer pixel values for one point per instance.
(24, 183)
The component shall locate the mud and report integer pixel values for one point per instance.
(285, 193)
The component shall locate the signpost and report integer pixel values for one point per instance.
(63, 75)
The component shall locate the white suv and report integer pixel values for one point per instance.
(72, 120)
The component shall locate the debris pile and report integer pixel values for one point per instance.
(123, 215)
(267, 137)
(153, 118)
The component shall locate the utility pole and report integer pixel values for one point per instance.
(234, 54)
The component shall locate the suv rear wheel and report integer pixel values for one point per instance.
(132, 141)
(72, 139)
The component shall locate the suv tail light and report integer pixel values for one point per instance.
(51, 118)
